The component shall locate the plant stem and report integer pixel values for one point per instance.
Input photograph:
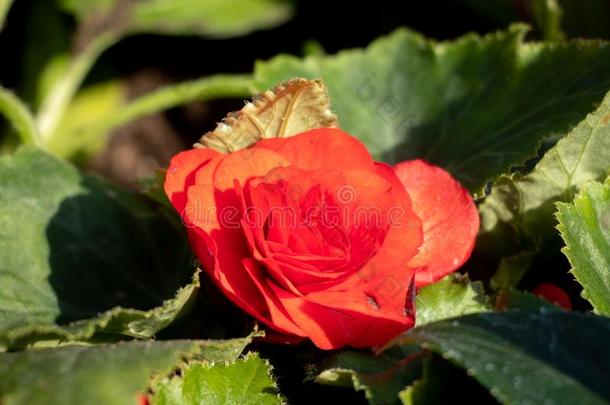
(217, 86)
(5, 5)
(19, 117)
(57, 100)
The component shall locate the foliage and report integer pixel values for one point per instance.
(101, 299)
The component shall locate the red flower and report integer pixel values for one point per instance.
(553, 294)
(312, 237)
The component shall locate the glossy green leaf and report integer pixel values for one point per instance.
(215, 18)
(520, 208)
(585, 228)
(474, 106)
(450, 297)
(103, 374)
(72, 247)
(523, 357)
(243, 381)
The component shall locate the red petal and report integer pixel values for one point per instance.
(181, 174)
(143, 399)
(322, 148)
(553, 294)
(449, 216)
(242, 165)
(278, 317)
(229, 275)
(333, 319)
(405, 233)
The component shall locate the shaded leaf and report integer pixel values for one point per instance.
(381, 377)
(104, 374)
(443, 383)
(585, 228)
(519, 210)
(72, 247)
(117, 321)
(552, 356)
(512, 268)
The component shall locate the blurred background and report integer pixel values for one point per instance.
(76, 62)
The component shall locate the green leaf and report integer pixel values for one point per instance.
(520, 208)
(104, 374)
(585, 228)
(215, 18)
(72, 247)
(450, 297)
(380, 377)
(434, 387)
(552, 356)
(512, 268)
(117, 321)
(474, 106)
(243, 381)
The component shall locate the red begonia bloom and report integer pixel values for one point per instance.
(553, 294)
(314, 238)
